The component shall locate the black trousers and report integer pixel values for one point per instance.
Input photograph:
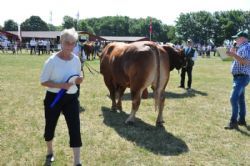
(187, 70)
(32, 49)
(69, 106)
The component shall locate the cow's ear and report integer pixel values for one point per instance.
(182, 52)
(110, 49)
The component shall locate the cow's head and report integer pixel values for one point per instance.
(176, 57)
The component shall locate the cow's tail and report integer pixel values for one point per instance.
(157, 90)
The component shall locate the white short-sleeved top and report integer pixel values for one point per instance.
(58, 70)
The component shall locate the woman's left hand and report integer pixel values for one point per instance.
(79, 80)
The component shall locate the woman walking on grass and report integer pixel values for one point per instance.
(56, 71)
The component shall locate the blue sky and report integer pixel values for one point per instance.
(165, 10)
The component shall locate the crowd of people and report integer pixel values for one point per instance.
(203, 50)
(40, 46)
(10, 46)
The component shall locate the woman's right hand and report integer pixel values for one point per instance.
(66, 85)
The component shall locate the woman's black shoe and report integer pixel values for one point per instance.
(49, 158)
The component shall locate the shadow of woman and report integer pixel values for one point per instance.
(153, 139)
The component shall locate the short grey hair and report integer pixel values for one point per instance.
(69, 35)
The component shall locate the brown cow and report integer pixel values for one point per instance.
(137, 65)
(89, 49)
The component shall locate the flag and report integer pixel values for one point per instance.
(19, 33)
(50, 17)
(77, 16)
(150, 26)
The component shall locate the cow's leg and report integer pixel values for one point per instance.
(87, 55)
(136, 100)
(160, 121)
(111, 89)
(120, 94)
(145, 94)
(112, 96)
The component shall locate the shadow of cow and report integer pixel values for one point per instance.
(154, 139)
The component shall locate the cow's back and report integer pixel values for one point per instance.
(125, 63)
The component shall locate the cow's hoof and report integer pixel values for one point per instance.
(160, 124)
(119, 109)
(130, 123)
(145, 94)
(113, 108)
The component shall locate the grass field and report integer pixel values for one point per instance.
(194, 130)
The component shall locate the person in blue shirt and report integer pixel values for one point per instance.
(241, 75)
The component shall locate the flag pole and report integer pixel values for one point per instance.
(77, 19)
(50, 17)
(150, 29)
(19, 32)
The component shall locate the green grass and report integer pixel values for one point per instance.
(193, 134)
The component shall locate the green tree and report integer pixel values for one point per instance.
(10, 25)
(55, 28)
(83, 26)
(34, 23)
(125, 26)
(198, 26)
(228, 23)
(171, 34)
(69, 22)
(135, 27)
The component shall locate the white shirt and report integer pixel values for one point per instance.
(5, 43)
(32, 43)
(58, 70)
(77, 51)
(209, 48)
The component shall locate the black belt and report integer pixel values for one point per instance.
(239, 75)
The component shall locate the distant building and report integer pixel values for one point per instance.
(9, 36)
(52, 35)
(125, 38)
(55, 35)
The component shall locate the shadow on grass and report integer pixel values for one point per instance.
(81, 109)
(244, 132)
(151, 138)
(172, 95)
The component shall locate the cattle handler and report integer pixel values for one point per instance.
(57, 69)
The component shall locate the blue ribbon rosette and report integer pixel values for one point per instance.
(61, 93)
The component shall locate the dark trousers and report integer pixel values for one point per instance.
(187, 70)
(69, 106)
(32, 48)
(40, 49)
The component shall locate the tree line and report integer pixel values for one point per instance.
(202, 27)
